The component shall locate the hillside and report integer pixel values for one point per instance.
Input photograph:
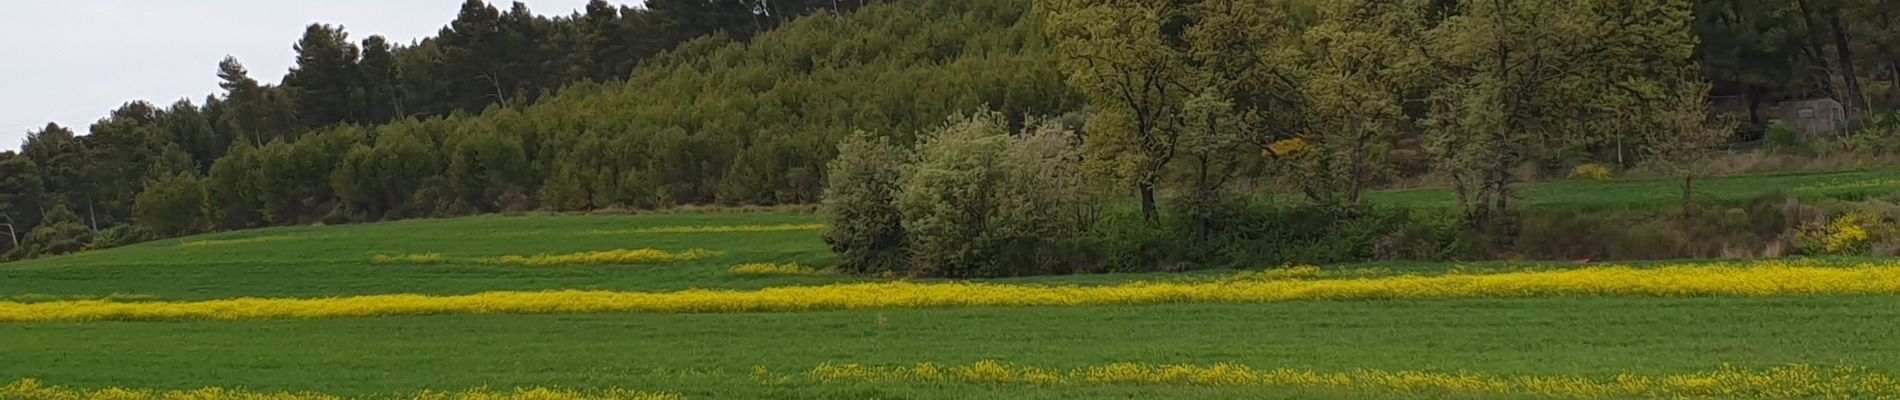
(716, 120)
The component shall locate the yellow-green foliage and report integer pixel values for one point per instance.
(1286, 147)
(622, 256)
(228, 242)
(717, 229)
(1846, 235)
(769, 269)
(1762, 279)
(1593, 172)
(29, 389)
(1794, 381)
(419, 258)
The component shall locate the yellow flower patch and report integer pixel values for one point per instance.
(716, 229)
(34, 390)
(623, 256)
(770, 269)
(1763, 279)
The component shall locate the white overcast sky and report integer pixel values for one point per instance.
(73, 61)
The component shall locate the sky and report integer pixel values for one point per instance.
(72, 62)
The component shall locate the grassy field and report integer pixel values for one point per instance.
(1648, 194)
(779, 354)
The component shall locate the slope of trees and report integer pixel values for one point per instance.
(505, 110)
(746, 101)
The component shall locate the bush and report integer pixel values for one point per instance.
(862, 223)
(1847, 234)
(1880, 136)
(1130, 243)
(980, 203)
(1784, 138)
(1250, 233)
(172, 206)
(60, 232)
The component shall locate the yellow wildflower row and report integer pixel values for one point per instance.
(34, 390)
(418, 259)
(770, 269)
(623, 256)
(1794, 381)
(717, 229)
(1764, 279)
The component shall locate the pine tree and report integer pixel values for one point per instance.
(325, 76)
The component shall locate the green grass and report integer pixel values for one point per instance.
(1588, 337)
(1651, 194)
(712, 355)
(336, 260)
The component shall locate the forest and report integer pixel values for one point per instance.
(978, 137)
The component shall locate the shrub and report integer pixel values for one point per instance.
(862, 223)
(172, 206)
(980, 203)
(948, 198)
(1248, 233)
(1592, 171)
(118, 235)
(60, 232)
(1880, 136)
(1846, 234)
(1784, 138)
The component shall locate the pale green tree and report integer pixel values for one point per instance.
(1522, 81)
(1126, 57)
(1360, 60)
(862, 223)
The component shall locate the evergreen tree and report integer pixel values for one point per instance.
(324, 78)
(377, 96)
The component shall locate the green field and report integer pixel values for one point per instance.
(1650, 194)
(715, 355)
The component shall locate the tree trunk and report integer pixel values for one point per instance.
(1148, 210)
(1688, 189)
(11, 234)
(1754, 105)
(1357, 180)
(1203, 195)
(1856, 101)
(92, 215)
(1893, 74)
(1814, 42)
(1619, 152)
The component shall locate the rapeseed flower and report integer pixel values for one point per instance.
(716, 229)
(1772, 278)
(770, 269)
(623, 256)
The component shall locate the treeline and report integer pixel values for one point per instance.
(735, 116)
(745, 102)
(1329, 98)
(1771, 50)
